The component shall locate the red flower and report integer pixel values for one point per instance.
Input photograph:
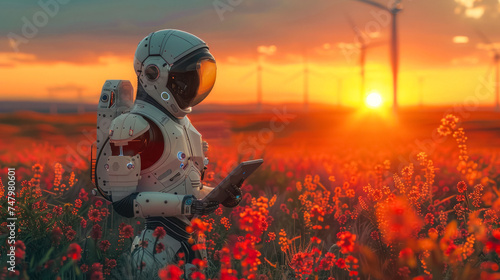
(74, 252)
(159, 232)
(104, 245)
(56, 235)
(104, 212)
(406, 253)
(327, 262)
(429, 219)
(342, 219)
(84, 268)
(284, 208)
(198, 226)
(58, 210)
(346, 242)
(461, 186)
(399, 219)
(96, 232)
(493, 243)
(302, 263)
(97, 275)
(78, 203)
(201, 264)
(160, 247)
(20, 249)
(95, 215)
(98, 203)
(127, 231)
(96, 272)
(70, 234)
(341, 263)
(83, 223)
(171, 272)
(97, 267)
(83, 195)
(197, 276)
(111, 263)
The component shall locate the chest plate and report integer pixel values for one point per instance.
(179, 168)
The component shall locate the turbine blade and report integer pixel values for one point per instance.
(316, 73)
(247, 76)
(490, 67)
(483, 37)
(375, 4)
(293, 77)
(356, 30)
(270, 70)
(376, 44)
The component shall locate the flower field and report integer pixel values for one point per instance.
(339, 196)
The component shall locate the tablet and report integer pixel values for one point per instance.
(236, 177)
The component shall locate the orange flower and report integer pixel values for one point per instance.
(397, 220)
(198, 225)
(461, 186)
(346, 242)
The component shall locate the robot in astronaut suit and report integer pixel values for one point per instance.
(150, 160)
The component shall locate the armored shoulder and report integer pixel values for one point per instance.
(126, 128)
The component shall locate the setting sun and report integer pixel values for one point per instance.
(373, 100)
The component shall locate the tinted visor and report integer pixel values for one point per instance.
(192, 78)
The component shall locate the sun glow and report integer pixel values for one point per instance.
(373, 100)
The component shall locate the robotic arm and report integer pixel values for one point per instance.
(151, 204)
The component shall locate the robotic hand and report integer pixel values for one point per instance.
(234, 193)
(201, 208)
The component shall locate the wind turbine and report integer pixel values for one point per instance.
(306, 84)
(421, 80)
(80, 105)
(258, 71)
(496, 63)
(339, 92)
(306, 72)
(393, 10)
(259, 86)
(53, 106)
(57, 91)
(364, 44)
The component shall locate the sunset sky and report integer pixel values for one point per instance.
(78, 47)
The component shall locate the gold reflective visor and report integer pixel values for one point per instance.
(207, 72)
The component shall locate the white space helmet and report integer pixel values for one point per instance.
(174, 68)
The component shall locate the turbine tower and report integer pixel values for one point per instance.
(421, 91)
(496, 64)
(306, 84)
(364, 44)
(339, 92)
(259, 86)
(393, 10)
